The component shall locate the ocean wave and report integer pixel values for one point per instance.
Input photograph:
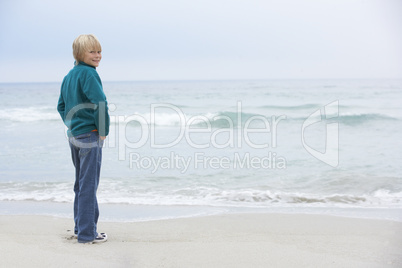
(231, 119)
(352, 119)
(220, 119)
(386, 198)
(355, 119)
(291, 107)
(29, 114)
(224, 119)
(121, 193)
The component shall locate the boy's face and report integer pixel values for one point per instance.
(93, 57)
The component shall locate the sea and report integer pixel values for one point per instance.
(194, 148)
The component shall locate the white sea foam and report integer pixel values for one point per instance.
(29, 114)
(112, 193)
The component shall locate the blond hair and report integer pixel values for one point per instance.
(85, 43)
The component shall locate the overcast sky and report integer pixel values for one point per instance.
(204, 39)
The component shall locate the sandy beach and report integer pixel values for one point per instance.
(232, 240)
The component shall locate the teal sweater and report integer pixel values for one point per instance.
(82, 104)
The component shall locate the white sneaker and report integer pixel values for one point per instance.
(102, 237)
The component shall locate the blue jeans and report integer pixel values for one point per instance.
(86, 153)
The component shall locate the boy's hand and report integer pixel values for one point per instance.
(102, 138)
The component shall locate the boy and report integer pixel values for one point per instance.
(83, 107)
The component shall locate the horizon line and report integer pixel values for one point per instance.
(209, 80)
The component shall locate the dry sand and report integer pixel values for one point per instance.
(233, 240)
